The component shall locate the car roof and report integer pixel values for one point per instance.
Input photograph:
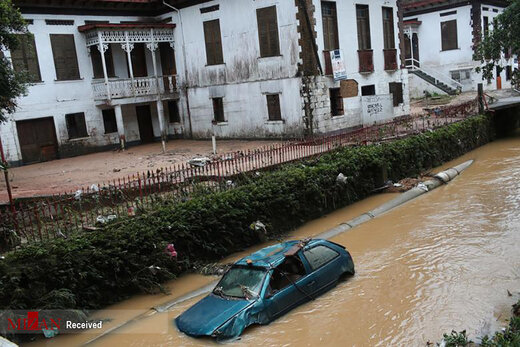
(272, 256)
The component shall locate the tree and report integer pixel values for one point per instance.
(504, 37)
(12, 83)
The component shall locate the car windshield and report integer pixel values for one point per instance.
(241, 282)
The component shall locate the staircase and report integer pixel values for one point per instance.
(444, 83)
(430, 79)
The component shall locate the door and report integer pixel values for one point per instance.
(138, 57)
(37, 138)
(144, 121)
(168, 66)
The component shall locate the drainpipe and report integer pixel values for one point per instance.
(185, 66)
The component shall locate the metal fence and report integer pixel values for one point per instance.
(88, 208)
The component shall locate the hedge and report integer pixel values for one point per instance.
(92, 270)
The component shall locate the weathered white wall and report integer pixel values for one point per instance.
(52, 98)
(245, 77)
(348, 43)
(431, 55)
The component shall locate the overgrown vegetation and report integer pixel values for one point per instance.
(12, 83)
(503, 38)
(509, 337)
(91, 270)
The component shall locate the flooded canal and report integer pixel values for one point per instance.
(443, 261)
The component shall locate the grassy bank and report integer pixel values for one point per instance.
(92, 270)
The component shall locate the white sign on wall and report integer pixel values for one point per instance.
(377, 109)
(338, 66)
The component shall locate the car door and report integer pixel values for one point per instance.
(294, 293)
(324, 263)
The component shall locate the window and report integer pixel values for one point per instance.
(330, 25)
(509, 72)
(461, 76)
(388, 28)
(65, 59)
(336, 102)
(239, 277)
(396, 89)
(173, 112)
(218, 110)
(319, 256)
(363, 27)
(25, 58)
(273, 107)
(97, 63)
(109, 120)
(486, 25)
(268, 31)
(76, 126)
(449, 35)
(288, 272)
(213, 42)
(368, 90)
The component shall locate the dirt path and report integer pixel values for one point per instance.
(71, 174)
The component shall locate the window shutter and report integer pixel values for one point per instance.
(449, 35)
(273, 107)
(330, 25)
(25, 58)
(388, 28)
(268, 31)
(363, 27)
(65, 59)
(213, 42)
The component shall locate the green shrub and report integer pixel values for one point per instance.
(94, 269)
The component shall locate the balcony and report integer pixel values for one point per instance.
(366, 61)
(142, 54)
(390, 59)
(138, 86)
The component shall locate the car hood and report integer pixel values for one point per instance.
(208, 314)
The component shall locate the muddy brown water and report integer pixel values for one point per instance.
(443, 261)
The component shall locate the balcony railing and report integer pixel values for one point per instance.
(139, 86)
(390, 59)
(366, 60)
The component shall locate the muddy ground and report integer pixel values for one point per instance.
(70, 174)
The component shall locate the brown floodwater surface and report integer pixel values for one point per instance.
(443, 261)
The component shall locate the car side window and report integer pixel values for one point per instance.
(288, 272)
(319, 256)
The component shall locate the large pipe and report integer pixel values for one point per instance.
(439, 179)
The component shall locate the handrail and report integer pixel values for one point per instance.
(437, 76)
(127, 87)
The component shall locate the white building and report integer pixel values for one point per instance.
(444, 34)
(233, 68)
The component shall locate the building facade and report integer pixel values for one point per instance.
(114, 73)
(444, 35)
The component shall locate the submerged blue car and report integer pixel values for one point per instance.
(266, 284)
